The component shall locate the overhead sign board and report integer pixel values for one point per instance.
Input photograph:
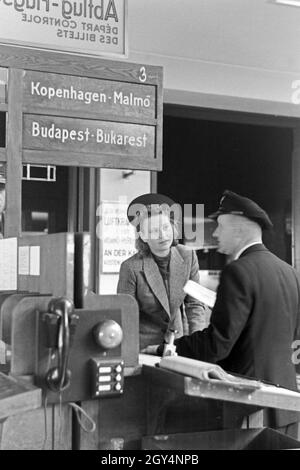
(88, 136)
(93, 27)
(105, 97)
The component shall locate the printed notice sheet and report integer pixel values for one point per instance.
(24, 260)
(8, 263)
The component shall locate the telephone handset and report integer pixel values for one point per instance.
(58, 378)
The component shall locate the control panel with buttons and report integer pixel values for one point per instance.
(107, 377)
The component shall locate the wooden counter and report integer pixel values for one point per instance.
(268, 396)
(17, 396)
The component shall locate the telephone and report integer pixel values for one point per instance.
(61, 314)
(79, 352)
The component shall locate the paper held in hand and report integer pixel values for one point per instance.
(201, 293)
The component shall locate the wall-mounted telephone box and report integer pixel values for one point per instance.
(101, 344)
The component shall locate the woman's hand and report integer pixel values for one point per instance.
(151, 349)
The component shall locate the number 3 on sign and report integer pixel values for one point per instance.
(142, 75)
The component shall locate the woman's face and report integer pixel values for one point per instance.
(157, 231)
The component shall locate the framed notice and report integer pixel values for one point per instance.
(90, 27)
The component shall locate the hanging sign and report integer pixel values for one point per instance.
(88, 136)
(92, 27)
(104, 97)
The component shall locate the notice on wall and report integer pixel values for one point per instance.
(34, 260)
(88, 136)
(117, 235)
(8, 263)
(105, 97)
(23, 260)
(94, 27)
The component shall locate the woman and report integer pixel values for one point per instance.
(156, 274)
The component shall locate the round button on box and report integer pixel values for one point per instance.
(108, 334)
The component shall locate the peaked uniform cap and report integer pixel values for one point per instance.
(233, 203)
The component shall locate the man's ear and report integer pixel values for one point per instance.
(240, 230)
(237, 230)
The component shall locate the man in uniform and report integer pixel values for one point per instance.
(255, 317)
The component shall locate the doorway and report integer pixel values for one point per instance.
(206, 153)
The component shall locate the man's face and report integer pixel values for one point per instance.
(158, 233)
(226, 234)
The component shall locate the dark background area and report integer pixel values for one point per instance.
(2, 129)
(203, 158)
(46, 197)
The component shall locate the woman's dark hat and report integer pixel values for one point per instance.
(146, 204)
(232, 203)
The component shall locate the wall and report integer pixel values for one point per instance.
(220, 53)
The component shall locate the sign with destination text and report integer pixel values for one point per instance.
(88, 136)
(105, 97)
(93, 27)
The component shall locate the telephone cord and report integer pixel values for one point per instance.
(78, 411)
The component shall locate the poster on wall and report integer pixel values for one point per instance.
(8, 264)
(117, 236)
(91, 27)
